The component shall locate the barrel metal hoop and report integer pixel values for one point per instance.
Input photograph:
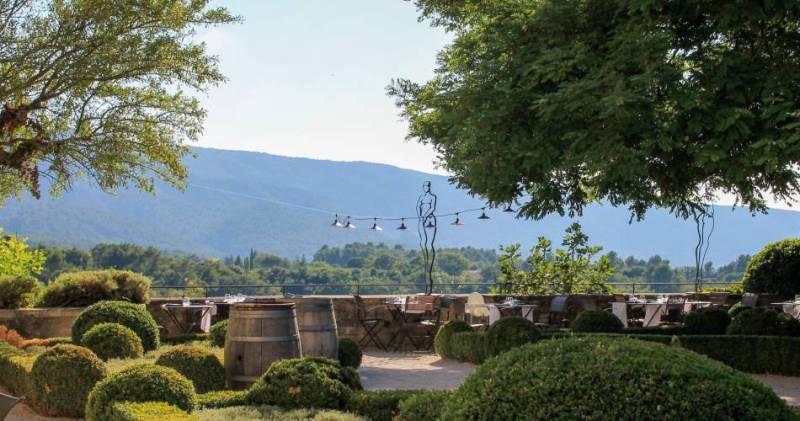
(257, 339)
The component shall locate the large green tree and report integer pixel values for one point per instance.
(99, 88)
(636, 102)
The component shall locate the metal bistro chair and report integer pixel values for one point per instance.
(476, 309)
(749, 300)
(558, 310)
(372, 325)
(7, 403)
(428, 324)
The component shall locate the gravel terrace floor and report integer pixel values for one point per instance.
(390, 370)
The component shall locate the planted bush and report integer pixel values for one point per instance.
(442, 344)
(736, 309)
(379, 405)
(309, 382)
(775, 269)
(149, 411)
(18, 291)
(468, 346)
(508, 333)
(707, 321)
(349, 353)
(199, 365)
(134, 316)
(79, 289)
(15, 370)
(610, 378)
(596, 321)
(141, 383)
(762, 321)
(217, 333)
(112, 340)
(222, 399)
(62, 378)
(423, 405)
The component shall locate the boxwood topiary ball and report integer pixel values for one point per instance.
(112, 340)
(310, 382)
(217, 333)
(707, 321)
(349, 353)
(423, 405)
(62, 378)
(762, 321)
(598, 321)
(509, 332)
(775, 269)
(141, 383)
(134, 316)
(199, 365)
(442, 343)
(610, 378)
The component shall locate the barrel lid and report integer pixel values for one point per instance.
(263, 306)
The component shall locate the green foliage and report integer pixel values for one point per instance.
(707, 321)
(442, 343)
(565, 103)
(736, 309)
(272, 413)
(222, 399)
(775, 269)
(62, 378)
(140, 383)
(149, 411)
(199, 365)
(762, 321)
(349, 353)
(508, 333)
(750, 354)
(564, 271)
(217, 333)
(15, 370)
(18, 291)
(583, 378)
(16, 259)
(112, 340)
(596, 321)
(309, 382)
(423, 405)
(468, 346)
(379, 405)
(80, 289)
(134, 316)
(99, 90)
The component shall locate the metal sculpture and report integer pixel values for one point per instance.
(427, 227)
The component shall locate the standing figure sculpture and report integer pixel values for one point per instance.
(426, 227)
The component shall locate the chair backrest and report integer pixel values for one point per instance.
(749, 300)
(476, 305)
(719, 298)
(7, 403)
(559, 304)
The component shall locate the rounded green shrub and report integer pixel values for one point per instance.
(199, 365)
(134, 316)
(349, 353)
(112, 340)
(79, 289)
(509, 332)
(378, 405)
(763, 321)
(736, 309)
(310, 382)
(423, 405)
(775, 269)
(595, 377)
(18, 291)
(140, 383)
(150, 411)
(707, 321)
(442, 343)
(217, 333)
(62, 378)
(596, 321)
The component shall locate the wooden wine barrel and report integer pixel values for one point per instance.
(317, 325)
(258, 334)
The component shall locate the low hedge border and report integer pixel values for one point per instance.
(15, 370)
(149, 411)
(222, 399)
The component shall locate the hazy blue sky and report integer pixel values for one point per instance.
(307, 78)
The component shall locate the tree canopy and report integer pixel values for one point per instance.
(638, 103)
(99, 88)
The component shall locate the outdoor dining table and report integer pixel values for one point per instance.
(653, 310)
(789, 307)
(205, 311)
(527, 311)
(401, 316)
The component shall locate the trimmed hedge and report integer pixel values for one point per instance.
(425, 405)
(62, 378)
(149, 411)
(79, 289)
(18, 291)
(217, 333)
(442, 342)
(112, 340)
(15, 370)
(468, 347)
(197, 364)
(598, 377)
(751, 354)
(707, 321)
(141, 383)
(763, 321)
(508, 333)
(596, 321)
(310, 382)
(379, 405)
(134, 316)
(349, 353)
(222, 399)
(775, 269)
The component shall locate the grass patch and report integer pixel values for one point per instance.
(272, 413)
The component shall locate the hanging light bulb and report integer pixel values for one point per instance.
(402, 226)
(508, 209)
(375, 226)
(336, 223)
(430, 225)
(483, 214)
(349, 225)
(457, 222)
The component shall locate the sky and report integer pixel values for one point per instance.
(308, 79)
